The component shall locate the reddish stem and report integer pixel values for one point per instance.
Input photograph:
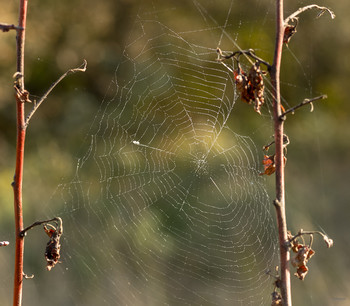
(17, 189)
(278, 127)
(18, 178)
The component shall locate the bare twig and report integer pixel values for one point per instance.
(237, 54)
(305, 102)
(286, 142)
(81, 68)
(7, 27)
(57, 219)
(326, 239)
(309, 7)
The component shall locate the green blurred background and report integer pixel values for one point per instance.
(62, 33)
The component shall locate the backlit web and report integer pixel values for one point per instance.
(167, 206)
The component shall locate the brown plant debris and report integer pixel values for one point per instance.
(269, 164)
(53, 247)
(251, 86)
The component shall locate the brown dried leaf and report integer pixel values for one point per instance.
(52, 253)
(302, 272)
(251, 86)
(289, 31)
(256, 82)
(301, 259)
(53, 247)
(269, 165)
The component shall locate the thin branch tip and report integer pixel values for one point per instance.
(329, 242)
(57, 219)
(322, 9)
(7, 27)
(81, 68)
(305, 102)
(248, 53)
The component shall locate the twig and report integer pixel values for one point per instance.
(308, 7)
(7, 27)
(327, 240)
(286, 142)
(305, 102)
(237, 54)
(57, 219)
(81, 68)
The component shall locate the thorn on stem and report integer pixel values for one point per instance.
(26, 276)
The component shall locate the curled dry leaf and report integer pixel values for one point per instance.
(251, 86)
(270, 165)
(289, 31)
(242, 85)
(256, 80)
(53, 247)
(300, 260)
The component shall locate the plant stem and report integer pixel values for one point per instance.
(278, 127)
(18, 178)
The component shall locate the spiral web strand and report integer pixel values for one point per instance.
(167, 206)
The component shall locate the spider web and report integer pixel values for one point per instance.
(167, 205)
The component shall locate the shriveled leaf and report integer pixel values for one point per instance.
(289, 31)
(269, 165)
(302, 272)
(251, 86)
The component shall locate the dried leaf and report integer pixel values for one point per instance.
(53, 247)
(52, 253)
(289, 31)
(301, 259)
(256, 82)
(251, 86)
(269, 164)
(302, 272)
